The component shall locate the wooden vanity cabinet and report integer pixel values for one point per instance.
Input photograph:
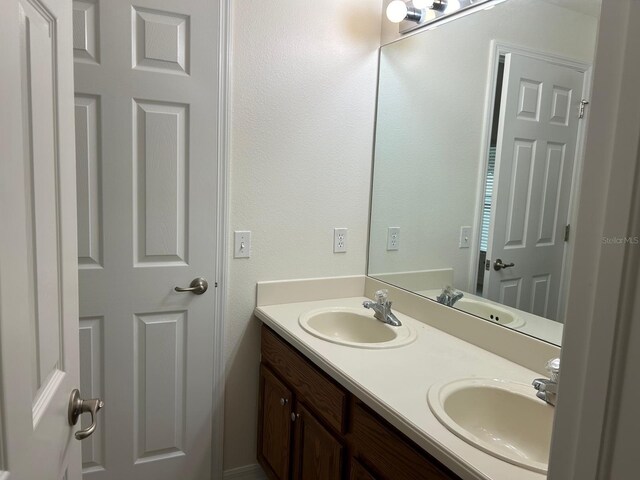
(311, 428)
(296, 393)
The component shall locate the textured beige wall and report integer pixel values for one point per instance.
(303, 79)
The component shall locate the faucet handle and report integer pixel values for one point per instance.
(382, 296)
(553, 367)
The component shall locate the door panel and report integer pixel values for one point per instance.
(92, 385)
(160, 197)
(146, 79)
(537, 136)
(159, 388)
(38, 278)
(88, 174)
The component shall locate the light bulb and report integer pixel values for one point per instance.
(396, 11)
(422, 4)
(452, 6)
(429, 15)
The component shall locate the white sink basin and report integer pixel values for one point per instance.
(490, 311)
(502, 418)
(355, 327)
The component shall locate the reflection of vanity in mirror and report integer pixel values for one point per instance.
(479, 136)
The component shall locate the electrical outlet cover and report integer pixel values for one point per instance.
(339, 240)
(393, 238)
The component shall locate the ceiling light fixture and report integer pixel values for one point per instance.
(413, 14)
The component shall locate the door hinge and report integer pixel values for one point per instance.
(567, 229)
(583, 104)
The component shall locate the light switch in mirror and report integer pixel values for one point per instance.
(479, 134)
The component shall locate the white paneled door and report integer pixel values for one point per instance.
(146, 83)
(38, 263)
(537, 136)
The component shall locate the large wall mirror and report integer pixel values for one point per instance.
(479, 136)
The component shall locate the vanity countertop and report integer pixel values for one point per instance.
(394, 382)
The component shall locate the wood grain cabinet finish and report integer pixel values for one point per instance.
(359, 472)
(310, 428)
(274, 429)
(313, 387)
(393, 456)
(318, 454)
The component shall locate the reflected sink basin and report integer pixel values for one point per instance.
(502, 418)
(355, 327)
(490, 312)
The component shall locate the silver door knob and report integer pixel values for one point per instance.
(283, 401)
(499, 265)
(78, 406)
(197, 286)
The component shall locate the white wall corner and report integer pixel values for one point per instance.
(248, 472)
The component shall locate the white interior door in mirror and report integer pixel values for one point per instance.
(38, 277)
(536, 147)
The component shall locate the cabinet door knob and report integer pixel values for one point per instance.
(294, 416)
(284, 401)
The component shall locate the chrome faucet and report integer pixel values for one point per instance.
(382, 309)
(449, 296)
(548, 389)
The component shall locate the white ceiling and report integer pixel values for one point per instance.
(588, 7)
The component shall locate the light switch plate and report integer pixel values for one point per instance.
(242, 244)
(465, 237)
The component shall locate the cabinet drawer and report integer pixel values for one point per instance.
(391, 454)
(327, 400)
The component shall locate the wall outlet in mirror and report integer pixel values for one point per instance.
(393, 238)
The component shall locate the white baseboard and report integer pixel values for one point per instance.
(248, 472)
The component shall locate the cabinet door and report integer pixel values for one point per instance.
(359, 472)
(274, 425)
(318, 455)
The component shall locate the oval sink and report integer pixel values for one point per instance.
(502, 418)
(490, 312)
(354, 327)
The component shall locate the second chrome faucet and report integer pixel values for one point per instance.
(449, 296)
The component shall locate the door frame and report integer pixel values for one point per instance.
(498, 49)
(602, 303)
(222, 242)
